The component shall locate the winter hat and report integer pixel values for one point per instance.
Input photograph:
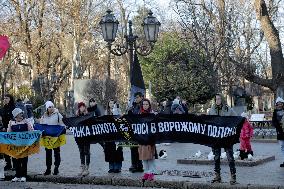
(81, 104)
(48, 104)
(279, 99)
(17, 111)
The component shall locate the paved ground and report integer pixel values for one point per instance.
(44, 185)
(267, 174)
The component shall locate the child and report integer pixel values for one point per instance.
(20, 125)
(245, 136)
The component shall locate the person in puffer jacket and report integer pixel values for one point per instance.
(20, 125)
(52, 117)
(245, 137)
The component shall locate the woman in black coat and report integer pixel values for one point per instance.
(9, 106)
(113, 154)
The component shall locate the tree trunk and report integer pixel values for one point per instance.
(272, 37)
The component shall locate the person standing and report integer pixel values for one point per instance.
(136, 164)
(245, 137)
(113, 154)
(83, 145)
(278, 123)
(9, 106)
(220, 108)
(52, 117)
(147, 153)
(29, 108)
(20, 125)
(93, 107)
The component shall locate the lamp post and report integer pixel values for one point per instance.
(109, 26)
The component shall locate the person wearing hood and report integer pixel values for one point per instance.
(20, 125)
(220, 108)
(93, 107)
(9, 106)
(278, 123)
(52, 117)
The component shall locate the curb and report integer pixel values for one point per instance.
(123, 181)
(240, 163)
(263, 140)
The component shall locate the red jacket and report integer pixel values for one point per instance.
(247, 130)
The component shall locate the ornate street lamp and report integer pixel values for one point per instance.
(151, 27)
(109, 26)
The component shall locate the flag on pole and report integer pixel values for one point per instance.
(136, 79)
(4, 45)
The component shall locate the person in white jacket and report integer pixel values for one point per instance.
(52, 117)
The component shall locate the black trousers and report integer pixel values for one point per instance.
(136, 163)
(8, 161)
(85, 154)
(21, 167)
(49, 157)
(217, 153)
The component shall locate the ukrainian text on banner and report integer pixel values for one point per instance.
(19, 138)
(19, 144)
(53, 136)
(149, 129)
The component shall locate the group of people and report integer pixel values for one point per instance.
(143, 157)
(18, 118)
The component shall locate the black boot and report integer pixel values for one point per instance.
(217, 178)
(7, 167)
(47, 171)
(251, 153)
(233, 179)
(56, 171)
(243, 154)
(282, 164)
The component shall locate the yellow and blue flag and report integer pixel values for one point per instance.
(20, 144)
(53, 136)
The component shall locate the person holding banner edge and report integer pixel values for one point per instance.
(220, 108)
(147, 153)
(19, 125)
(83, 145)
(136, 164)
(52, 117)
(113, 153)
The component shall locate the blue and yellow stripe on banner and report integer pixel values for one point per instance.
(53, 136)
(20, 144)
